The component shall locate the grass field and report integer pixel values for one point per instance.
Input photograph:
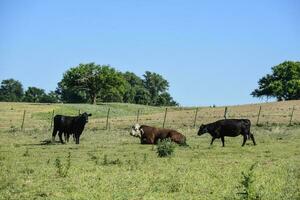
(109, 164)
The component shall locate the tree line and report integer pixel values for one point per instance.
(92, 83)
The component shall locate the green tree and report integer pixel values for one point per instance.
(93, 82)
(133, 84)
(165, 99)
(33, 94)
(283, 83)
(157, 87)
(51, 97)
(11, 90)
(70, 95)
(142, 96)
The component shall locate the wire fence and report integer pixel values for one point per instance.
(171, 117)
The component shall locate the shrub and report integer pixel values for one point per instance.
(110, 162)
(248, 192)
(26, 153)
(62, 170)
(165, 147)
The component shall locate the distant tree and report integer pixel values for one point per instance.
(51, 97)
(283, 83)
(157, 87)
(70, 95)
(93, 82)
(33, 94)
(11, 90)
(112, 85)
(132, 85)
(165, 99)
(142, 96)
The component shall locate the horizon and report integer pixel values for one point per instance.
(219, 50)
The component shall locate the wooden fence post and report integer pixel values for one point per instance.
(258, 115)
(107, 118)
(22, 126)
(138, 115)
(195, 117)
(225, 113)
(51, 120)
(165, 117)
(292, 116)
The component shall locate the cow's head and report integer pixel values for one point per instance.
(202, 129)
(136, 131)
(85, 116)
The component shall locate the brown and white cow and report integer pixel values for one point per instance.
(151, 135)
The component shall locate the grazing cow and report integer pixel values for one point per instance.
(228, 127)
(151, 135)
(69, 125)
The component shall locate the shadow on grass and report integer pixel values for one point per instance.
(43, 142)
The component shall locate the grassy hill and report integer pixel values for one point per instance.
(110, 164)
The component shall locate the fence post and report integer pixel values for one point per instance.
(292, 116)
(107, 118)
(165, 117)
(79, 111)
(195, 117)
(138, 115)
(258, 115)
(225, 113)
(51, 120)
(22, 126)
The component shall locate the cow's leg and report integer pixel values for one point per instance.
(212, 140)
(223, 141)
(54, 134)
(67, 137)
(60, 136)
(252, 138)
(77, 136)
(244, 140)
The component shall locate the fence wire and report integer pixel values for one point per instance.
(176, 117)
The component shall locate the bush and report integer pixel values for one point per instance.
(165, 147)
(110, 162)
(247, 185)
(62, 170)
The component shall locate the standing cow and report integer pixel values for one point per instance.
(151, 135)
(228, 127)
(69, 125)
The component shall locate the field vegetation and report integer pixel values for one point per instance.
(110, 164)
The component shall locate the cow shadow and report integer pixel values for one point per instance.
(43, 143)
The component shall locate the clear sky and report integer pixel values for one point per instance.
(211, 52)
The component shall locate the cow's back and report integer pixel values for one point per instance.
(63, 123)
(227, 127)
(177, 137)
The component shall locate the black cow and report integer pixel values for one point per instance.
(228, 127)
(69, 125)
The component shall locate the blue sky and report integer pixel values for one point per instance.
(211, 52)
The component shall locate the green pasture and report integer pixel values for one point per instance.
(110, 164)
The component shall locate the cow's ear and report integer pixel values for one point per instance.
(90, 114)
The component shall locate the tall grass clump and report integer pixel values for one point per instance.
(165, 148)
(106, 161)
(63, 169)
(247, 185)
